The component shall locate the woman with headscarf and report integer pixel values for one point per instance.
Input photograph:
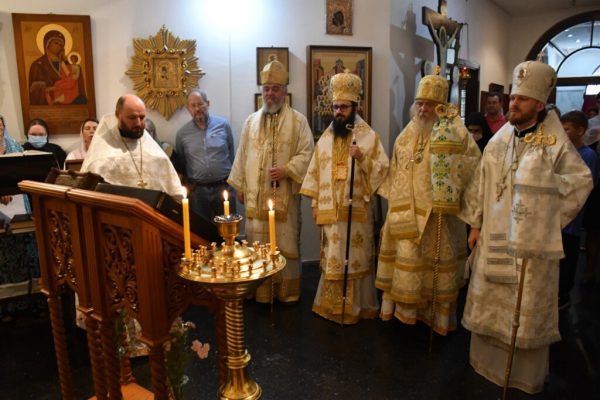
(87, 133)
(479, 129)
(18, 253)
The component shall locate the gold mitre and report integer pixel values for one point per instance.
(533, 79)
(274, 73)
(433, 88)
(346, 86)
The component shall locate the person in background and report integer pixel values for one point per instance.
(479, 129)
(593, 132)
(86, 134)
(493, 111)
(38, 136)
(205, 153)
(575, 124)
(272, 158)
(151, 129)
(349, 142)
(19, 261)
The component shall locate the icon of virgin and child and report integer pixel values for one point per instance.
(56, 78)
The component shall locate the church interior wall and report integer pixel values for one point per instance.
(227, 33)
(526, 30)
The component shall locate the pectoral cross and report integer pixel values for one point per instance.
(142, 184)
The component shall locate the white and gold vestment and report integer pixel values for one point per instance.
(491, 204)
(289, 143)
(328, 184)
(409, 235)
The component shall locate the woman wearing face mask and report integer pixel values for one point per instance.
(87, 133)
(37, 139)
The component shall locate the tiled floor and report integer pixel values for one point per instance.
(298, 355)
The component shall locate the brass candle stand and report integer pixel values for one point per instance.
(231, 272)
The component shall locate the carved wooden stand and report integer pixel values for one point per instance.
(115, 253)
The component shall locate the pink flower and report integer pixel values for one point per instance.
(201, 349)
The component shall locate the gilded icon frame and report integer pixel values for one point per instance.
(164, 69)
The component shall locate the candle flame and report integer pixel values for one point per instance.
(225, 195)
(270, 202)
(184, 192)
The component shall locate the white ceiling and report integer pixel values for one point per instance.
(530, 7)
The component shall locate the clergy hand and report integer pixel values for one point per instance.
(276, 173)
(355, 152)
(314, 213)
(5, 199)
(473, 238)
(239, 195)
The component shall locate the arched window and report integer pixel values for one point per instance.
(572, 48)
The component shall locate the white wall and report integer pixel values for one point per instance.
(484, 40)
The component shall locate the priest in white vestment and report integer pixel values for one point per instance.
(124, 153)
(530, 183)
(270, 163)
(328, 183)
(408, 272)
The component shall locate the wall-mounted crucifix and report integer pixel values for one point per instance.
(446, 35)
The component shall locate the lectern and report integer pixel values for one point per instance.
(116, 253)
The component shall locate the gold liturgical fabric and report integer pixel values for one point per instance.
(328, 184)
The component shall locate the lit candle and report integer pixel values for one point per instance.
(186, 226)
(272, 226)
(226, 203)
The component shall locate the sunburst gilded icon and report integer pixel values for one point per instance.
(164, 70)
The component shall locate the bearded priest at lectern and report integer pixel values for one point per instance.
(123, 153)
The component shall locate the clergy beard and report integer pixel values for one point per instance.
(520, 117)
(132, 134)
(339, 124)
(423, 125)
(271, 109)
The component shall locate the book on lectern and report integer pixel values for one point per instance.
(31, 165)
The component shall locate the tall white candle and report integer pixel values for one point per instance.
(272, 227)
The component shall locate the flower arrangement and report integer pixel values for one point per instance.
(178, 354)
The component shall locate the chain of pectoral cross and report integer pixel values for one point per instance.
(274, 118)
(141, 183)
(501, 185)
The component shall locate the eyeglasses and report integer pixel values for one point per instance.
(342, 107)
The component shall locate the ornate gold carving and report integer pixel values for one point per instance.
(164, 69)
(449, 111)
